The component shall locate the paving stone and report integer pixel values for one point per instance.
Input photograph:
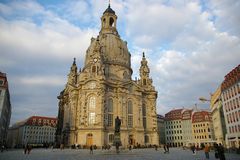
(135, 154)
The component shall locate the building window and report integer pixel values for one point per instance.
(144, 123)
(111, 22)
(93, 69)
(92, 103)
(144, 110)
(146, 139)
(110, 120)
(144, 117)
(91, 118)
(110, 105)
(110, 138)
(1, 82)
(130, 121)
(144, 82)
(110, 112)
(130, 109)
(130, 114)
(92, 106)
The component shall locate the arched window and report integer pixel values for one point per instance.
(110, 112)
(144, 110)
(92, 118)
(146, 139)
(92, 103)
(130, 114)
(130, 109)
(91, 110)
(144, 116)
(111, 22)
(144, 82)
(110, 105)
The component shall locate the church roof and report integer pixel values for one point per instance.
(109, 10)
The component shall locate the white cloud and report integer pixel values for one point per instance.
(183, 78)
(157, 23)
(27, 8)
(58, 40)
(42, 81)
(227, 15)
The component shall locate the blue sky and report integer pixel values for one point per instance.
(190, 46)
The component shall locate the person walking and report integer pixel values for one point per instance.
(91, 149)
(29, 148)
(220, 151)
(2, 148)
(193, 149)
(62, 146)
(25, 148)
(206, 151)
(130, 147)
(167, 147)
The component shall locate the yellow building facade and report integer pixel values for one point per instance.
(202, 128)
(219, 126)
(102, 90)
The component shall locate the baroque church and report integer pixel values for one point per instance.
(102, 90)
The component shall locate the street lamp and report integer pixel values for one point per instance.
(204, 99)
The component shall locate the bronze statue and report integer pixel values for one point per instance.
(117, 137)
(117, 124)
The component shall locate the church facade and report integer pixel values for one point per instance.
(102, 90)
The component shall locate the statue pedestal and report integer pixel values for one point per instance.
(117, 139)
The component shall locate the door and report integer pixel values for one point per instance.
(89, 139)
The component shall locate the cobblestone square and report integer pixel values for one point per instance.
(136, 154)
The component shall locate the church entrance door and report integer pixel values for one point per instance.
(89, 139)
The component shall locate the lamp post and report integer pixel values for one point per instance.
(202, 99)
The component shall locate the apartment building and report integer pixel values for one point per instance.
(231, 106)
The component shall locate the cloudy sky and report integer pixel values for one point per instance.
(190, 47)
